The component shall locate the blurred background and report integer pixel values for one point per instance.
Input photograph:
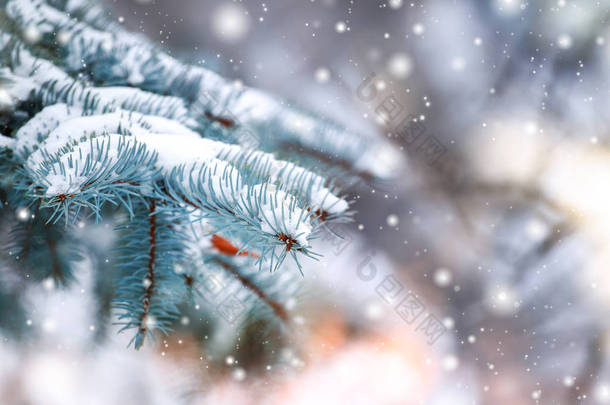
(478, 276)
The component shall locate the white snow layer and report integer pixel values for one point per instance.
(136, 58)
(174, 143)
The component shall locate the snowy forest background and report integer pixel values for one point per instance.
(497, 219)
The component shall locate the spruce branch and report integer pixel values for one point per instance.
(103, 124)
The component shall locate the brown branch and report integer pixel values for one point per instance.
(151, 265)
(275, 306)
(225, 122)
(328, 159)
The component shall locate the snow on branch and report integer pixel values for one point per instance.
(127, 59)
(104, 124)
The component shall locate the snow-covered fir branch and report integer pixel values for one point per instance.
(102, 124)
